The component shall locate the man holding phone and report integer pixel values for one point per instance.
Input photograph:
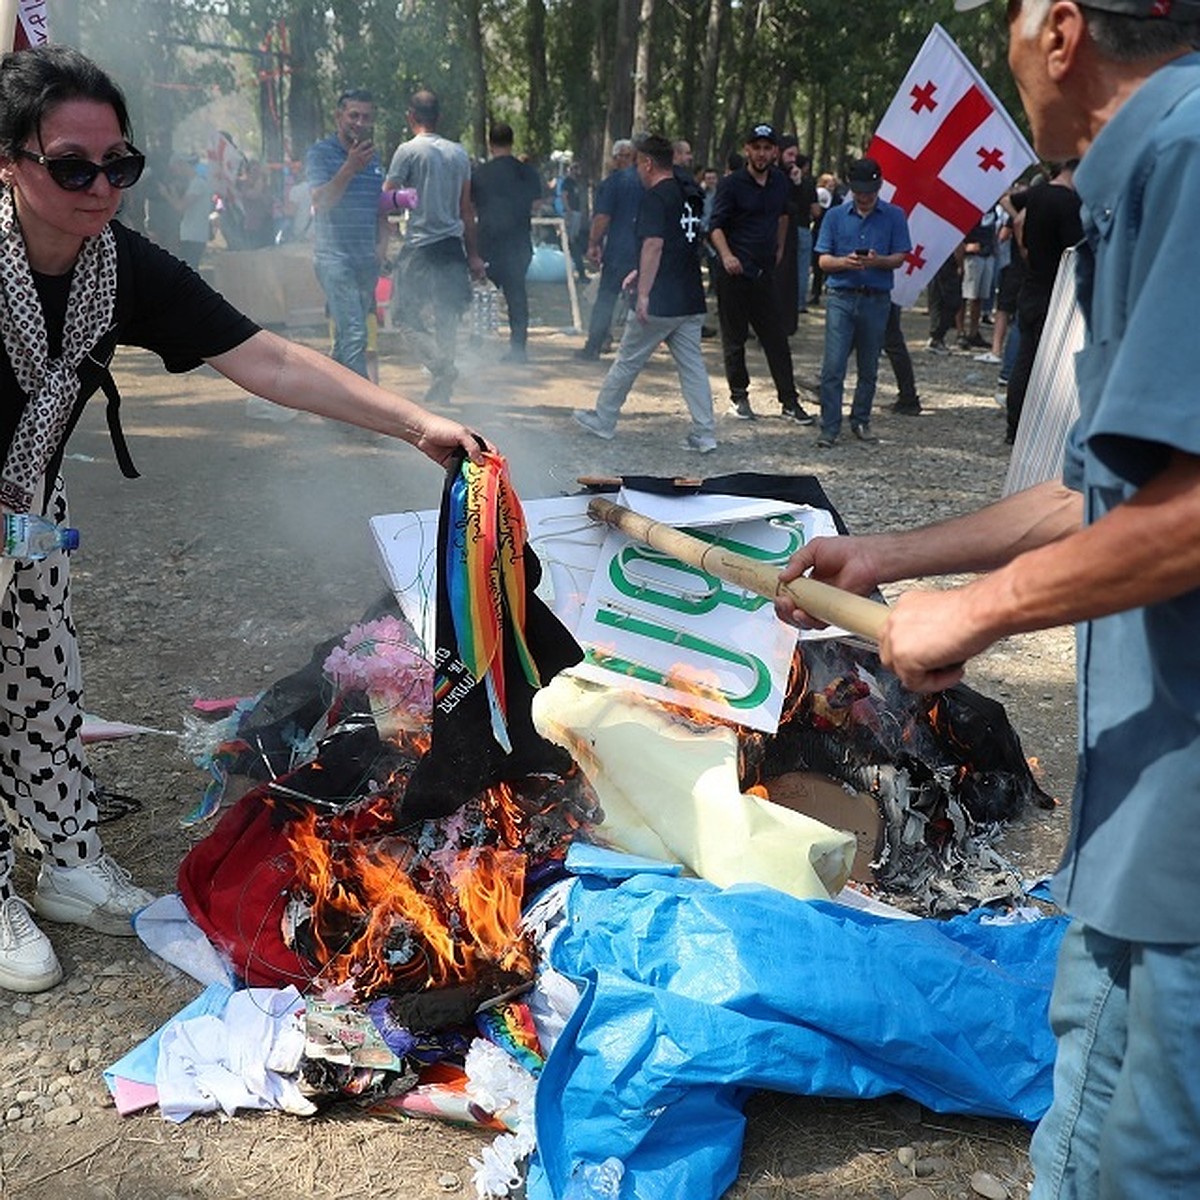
(860, 244)
(350, 233)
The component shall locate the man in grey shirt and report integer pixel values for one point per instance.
(433, 272)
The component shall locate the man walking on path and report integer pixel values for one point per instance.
(860, 244)
(612, 244)
(1112, 547)
(504, 191)
(748, 231)
(350, 232)
(439, 257)
(670, 302)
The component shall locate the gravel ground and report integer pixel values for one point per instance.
(243, 544)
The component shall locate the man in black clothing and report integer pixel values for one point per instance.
(504, 191)
(669, 302)
(748, 230)
(1051, 223)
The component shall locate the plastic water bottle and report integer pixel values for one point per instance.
(27, 535)
(592, 1181)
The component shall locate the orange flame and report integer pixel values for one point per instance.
(364, 901)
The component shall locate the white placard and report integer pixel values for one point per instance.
(648, 622)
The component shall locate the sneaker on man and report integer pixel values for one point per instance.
(988, 357)
(98, 894)
(27, 960)
(588, 419)
(740, 407)
(976, 342)
(698, 444)
(937, 346)
(907, 408)
(827, 441)
(795, 412)
(863, 433)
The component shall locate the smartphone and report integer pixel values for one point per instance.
(861, 253)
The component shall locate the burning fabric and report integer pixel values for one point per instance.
(421, 781)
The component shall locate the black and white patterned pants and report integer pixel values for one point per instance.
(47, 793)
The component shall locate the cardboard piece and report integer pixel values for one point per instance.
(838, 807)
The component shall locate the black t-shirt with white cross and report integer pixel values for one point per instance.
(677, 290)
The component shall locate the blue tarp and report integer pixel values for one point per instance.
(694, 996)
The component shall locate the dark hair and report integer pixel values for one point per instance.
(425, 108)
(361, 95)
(501, 135)
(37, 80)
(735, 162)
(656, 147)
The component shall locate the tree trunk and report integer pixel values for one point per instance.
(619, 118)
(706, 112)
(641, 73)
(306, 122)
(685, 99)
(539, 87)
(478, 73)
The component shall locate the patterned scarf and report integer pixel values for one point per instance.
(51, 385)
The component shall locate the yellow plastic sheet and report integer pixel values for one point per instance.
(670, 791)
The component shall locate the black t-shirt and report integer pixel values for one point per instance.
(1052, 223)
(677, 290)
(162, 306)
(504, 190)
(748, 213)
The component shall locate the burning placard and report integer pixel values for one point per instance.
(650, 623)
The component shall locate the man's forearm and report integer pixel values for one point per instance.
(980, 541)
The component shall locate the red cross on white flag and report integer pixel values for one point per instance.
(947, 150)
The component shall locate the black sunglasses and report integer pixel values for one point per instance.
(75, 174)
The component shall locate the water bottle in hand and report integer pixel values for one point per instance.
(29, 536)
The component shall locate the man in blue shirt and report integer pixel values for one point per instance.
(860, 244)
(1113, 547)
(612, 244)
(350, 232)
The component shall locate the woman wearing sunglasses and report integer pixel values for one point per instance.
(73, 284)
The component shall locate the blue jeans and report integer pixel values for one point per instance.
(804, 245)
(858, 322)
(350, 295)
(1125, 1120)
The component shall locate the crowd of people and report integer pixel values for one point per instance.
(1110, 547)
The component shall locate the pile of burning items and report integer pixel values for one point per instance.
(385, 898)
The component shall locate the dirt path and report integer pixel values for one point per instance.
(244, 543)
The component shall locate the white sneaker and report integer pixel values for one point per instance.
(98, 894)
(589, 421)
(27, 960)
(699, 444)
(988, 357)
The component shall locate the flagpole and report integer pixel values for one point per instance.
(8, 24)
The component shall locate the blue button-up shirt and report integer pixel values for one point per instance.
(348, 230)
(844, 229)
(1131, 868)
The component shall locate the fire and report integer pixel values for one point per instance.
(379, 918)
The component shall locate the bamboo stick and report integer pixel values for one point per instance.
(834, 605)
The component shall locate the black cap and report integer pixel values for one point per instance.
(764, 131)
(865, 176)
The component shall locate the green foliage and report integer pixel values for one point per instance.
(827, 68)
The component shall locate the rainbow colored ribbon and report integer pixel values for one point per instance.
(485, 579)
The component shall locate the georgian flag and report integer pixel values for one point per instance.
(32, 27)
(947, 150)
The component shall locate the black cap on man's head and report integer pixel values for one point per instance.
(1170, 10)
(865, 176)
(762, 132)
